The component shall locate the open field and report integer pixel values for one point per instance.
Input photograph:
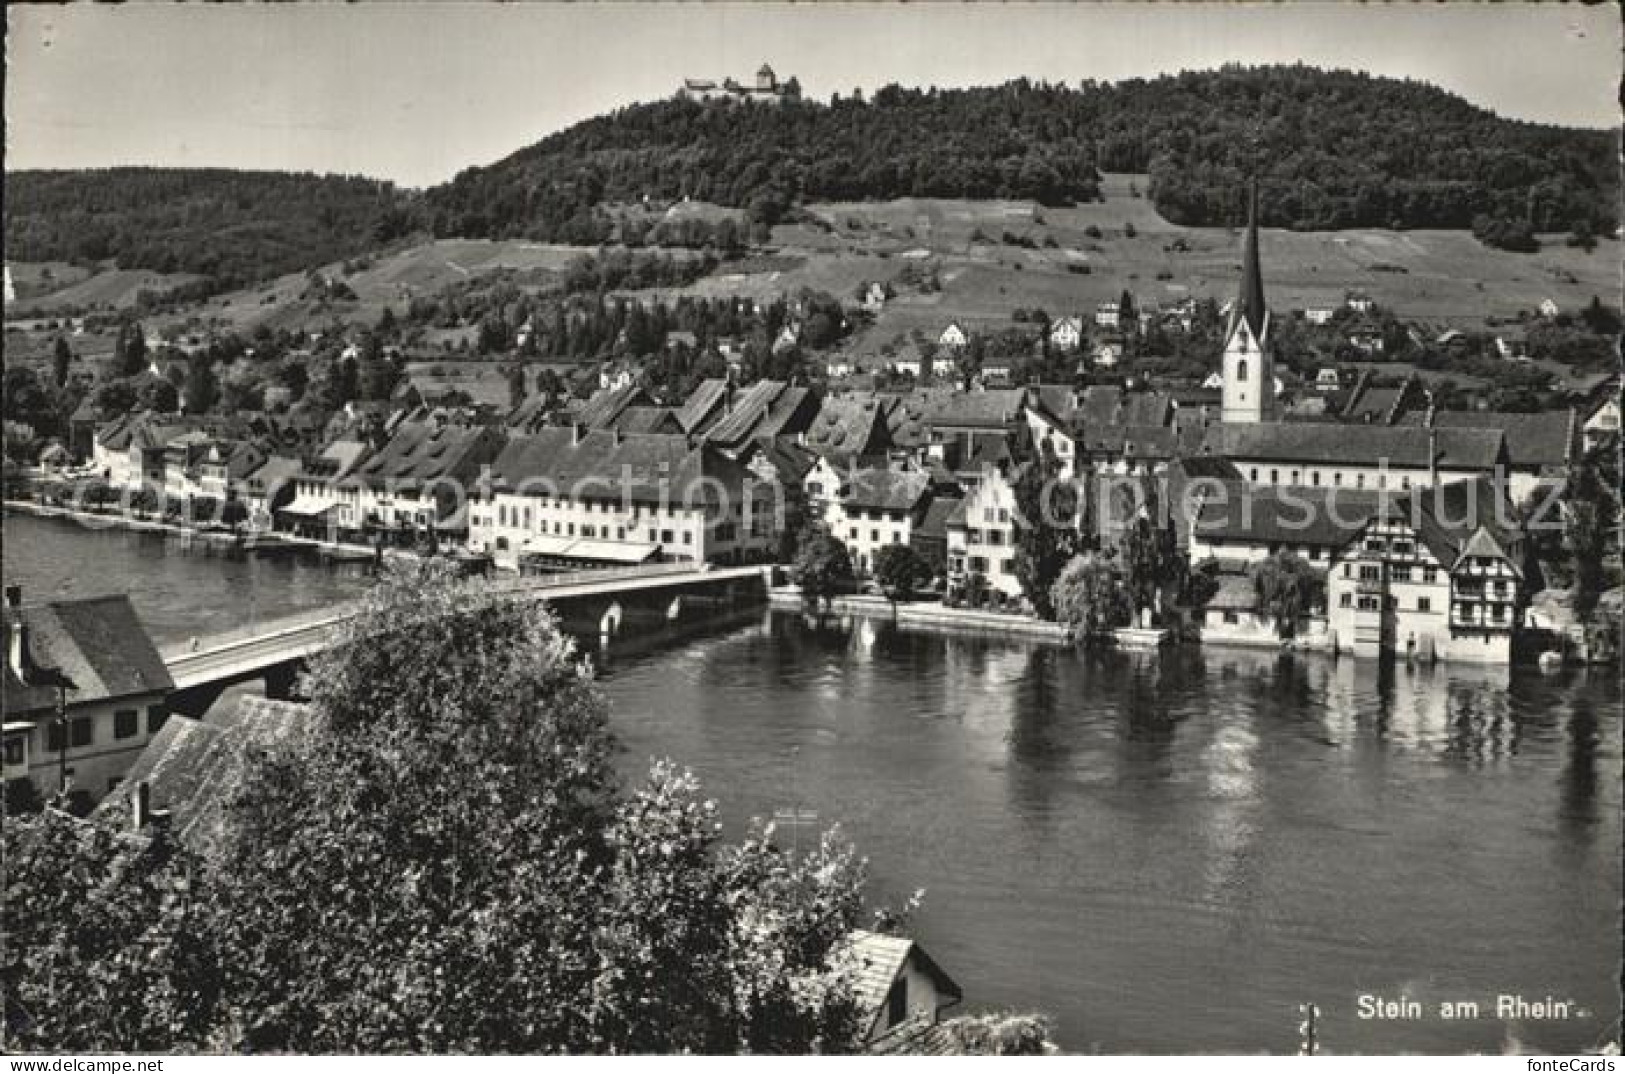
(991, 258)
(115, 289)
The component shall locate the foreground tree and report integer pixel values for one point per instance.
(1286, 586)
(1092, 597)
(899, 569)
(823, 567)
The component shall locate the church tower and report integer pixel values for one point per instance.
(1249, 364)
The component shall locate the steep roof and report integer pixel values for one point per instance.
(879, 959)
(98, 642)
(422, 452)
(764, 409)
(608, 465)
(191, 768)
(1321, 517)
(1545, 439)
(1251, 304)
(606, 405)
(648, 419)
(849, 426)
(703, 404)
(991, 409)
(886, 490)
(1331, 444)
(935, 522)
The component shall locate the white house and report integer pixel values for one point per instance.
(1107, 354)
(1328, 380)
(982, 534)
(113, 685)
(1067, 333)
(1549, 308)
(1602, 425)
(896, 982)
(874, 508)
(1108, 315)
(1318, 315)
(953, 337)
(1359, 302)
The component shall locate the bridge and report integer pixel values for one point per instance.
(590, 601)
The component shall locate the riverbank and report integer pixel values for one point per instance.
(116, 520)
(929, 615)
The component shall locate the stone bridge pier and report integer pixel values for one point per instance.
(280, 682)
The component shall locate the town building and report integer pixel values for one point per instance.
(874, 508)
(1433, 575)
(953, 337)
(416, 486)
(1602, 427)
(981, 534)
(1109, 315)
(1066, 334)
(569, 498)
(1328, 455)
(94, 659)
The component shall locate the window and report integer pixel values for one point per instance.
(897, 1002)
(82, 732)
(1430, 574)
(1346, 601)
(1424, 604)
(1348, 570)
(1337, 479)
(665, 537)
(1007, 566)
(978, 564)
(156, 718)
(1368, 604)
(654, 536)
(1254, 476)
(874, 536)
(1370, 572)
(1241, 370)
(688, 536)
(1399, 573)
(1231, 617)
(1275, 477)
(853, 533)
(1359, 481)
(14, 750)
(1314, 478)
(896, 537)
(126, 722)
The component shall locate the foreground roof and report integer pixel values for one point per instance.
(99, 643)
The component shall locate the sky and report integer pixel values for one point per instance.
(415, 92)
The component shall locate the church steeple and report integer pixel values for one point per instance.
(1249, 360)
(1252, 279)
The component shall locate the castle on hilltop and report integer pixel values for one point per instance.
(767, 89)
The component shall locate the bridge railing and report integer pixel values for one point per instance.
(334, 614)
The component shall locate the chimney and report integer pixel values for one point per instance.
(17, 641)
(141, 805)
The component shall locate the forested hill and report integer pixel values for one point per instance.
(232, 226)
(1334, 150)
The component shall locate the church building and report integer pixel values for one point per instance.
(1249, 364)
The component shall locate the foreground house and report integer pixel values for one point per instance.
(875, 508)
(95, 658)
(897, 984)
(981, 534)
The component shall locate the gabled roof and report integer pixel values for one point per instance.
(98, 642)
(606, 405)
(648, 419)
(992, 409)
(850, 425)
(935, 522)
(191, 768)
(703, 405)
(1330, 444)
(1545, 439)
(611, 466)
(1267, 515)
(879, 959)
(885, 490)
(424, 451)
(766, 408)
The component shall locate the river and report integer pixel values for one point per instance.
(1163, 853)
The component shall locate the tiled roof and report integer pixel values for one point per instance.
(990, 409)
(191, 768)
(879, 959)
(648, 419)
(1533, 440)
(423, 451)
(887, 490)
(99, 643)
(1322, 518)
(765, 409)
(1332, 444)
(703, 405)
(606, 405)
(613, 466)
(848, 426)
(941, 509)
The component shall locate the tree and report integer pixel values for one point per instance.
(1091, 596)
(1591, 515)
(443, 861)
(202, 387)
(61, 359)
(1155, 567)
(1046, 532)
(822, 568)
(898, 569)
(130, 351)
(516, 387)
(1286, 586)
